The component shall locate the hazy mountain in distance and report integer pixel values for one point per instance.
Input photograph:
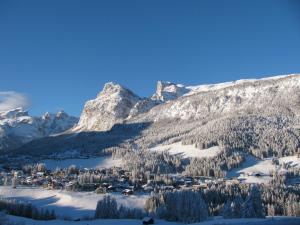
(18, 127)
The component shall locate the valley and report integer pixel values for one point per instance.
(232, 149)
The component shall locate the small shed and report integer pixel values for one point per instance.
(148, 220)
(127, 192)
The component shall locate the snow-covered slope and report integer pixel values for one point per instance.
(213, 87)
(72, 204)
(116, 104)
(245, 95)
(166, 91)
(186, 151)
(265, 168)
(94, 163)
(56, 123)
(18, 127)
(245, 114)
(277, 220)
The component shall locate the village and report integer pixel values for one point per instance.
(105, 180)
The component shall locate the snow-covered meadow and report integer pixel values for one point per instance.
(95, 163)
(68, 204)
(264, 167)
(187, 150)
(211, 221)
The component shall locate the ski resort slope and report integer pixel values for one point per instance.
(187, 150)
(212, 221)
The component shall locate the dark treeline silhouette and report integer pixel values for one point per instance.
(13, 207)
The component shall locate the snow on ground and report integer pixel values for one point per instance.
(212, 221)
(218, 86)
(70, 204)
(292, 160)
(264, 167)
(98, 162)
(187, 150)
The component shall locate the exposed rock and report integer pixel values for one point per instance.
(112, 105)
(257, 116)
(245, 96)
(166, 91)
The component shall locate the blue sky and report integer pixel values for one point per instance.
(60, 53)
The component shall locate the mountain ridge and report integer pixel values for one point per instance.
(247, 115)
(165, 92)
(17, 127)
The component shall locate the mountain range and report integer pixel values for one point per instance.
(260, 116)
(18, 127)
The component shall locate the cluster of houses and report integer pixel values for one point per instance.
(106, 180)
(101, 180)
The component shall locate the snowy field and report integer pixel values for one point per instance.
(264, 167)
(267, 221)
(70, 204)
(188, 150)
(95, 163)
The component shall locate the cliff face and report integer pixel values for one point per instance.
(112, 105)
(166, 91)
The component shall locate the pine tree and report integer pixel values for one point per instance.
(183, 206)
(52, 215)
(226, 211)
(3, 219)
(14, 182)
(253, 207)
(236, 207)
(107, 208)
(271, 210)
(233, 209)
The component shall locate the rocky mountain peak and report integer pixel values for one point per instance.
(111, 88)
(112, 105)
(116, 104)
(13, 113)
(61, 114)
(206, 115)
(166, 91)
(47, 116)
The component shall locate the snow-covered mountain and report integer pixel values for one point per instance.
(116, 104)
(244, 96)
(166, 91)
(112, 105)
(18, 127)
(247, 129)
(245, 114)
